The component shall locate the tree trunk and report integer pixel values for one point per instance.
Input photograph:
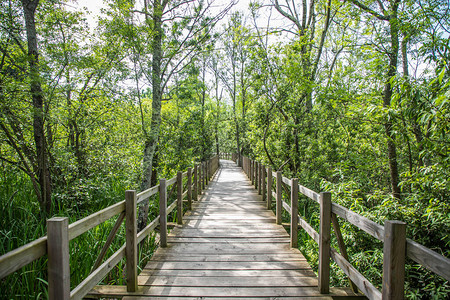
(151, 140)
(43, 171)
(387, 96)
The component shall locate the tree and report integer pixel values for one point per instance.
(389, 15)
(178, 30)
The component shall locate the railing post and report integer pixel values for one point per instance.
(279, 206)
(58, 258)
(195, 193)
(206, 172)
(189, 184)
(269, 188)
(204, 175)
(251, 171)
(294, 213)
(263, 182)
(163, 212)
(259, 178)
(324, 242)
(394, 252)
(179, 198)
(131, 240)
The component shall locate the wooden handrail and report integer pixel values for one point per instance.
(428, 258)
(24, 255)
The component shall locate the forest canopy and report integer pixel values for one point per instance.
(351, 97)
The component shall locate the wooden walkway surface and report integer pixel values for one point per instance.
(229, 247)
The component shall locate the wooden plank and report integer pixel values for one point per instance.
(171, 181)
(219, 281)
(131, 241)
(287, 207)
(22, 256)
(363, 223)
(147, 193)
(309, 193)
(81, 226)
(341, 245)
(109, 240)
(226, 217)
(228, 265)
(394, 253)
(363, 284)
(428, 258)
(229, 248)
(309, 229)
(287, 181)
(243, 292)
(58, 259)
(146, 231)
(192, 257)
(227, 240)
(230, 273)
(119, 291)
(171, 207)
(234, 233)
(95, 277)
(324, 242)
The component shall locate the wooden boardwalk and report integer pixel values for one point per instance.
(229, 247)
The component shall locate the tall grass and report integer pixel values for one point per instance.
(21, 222)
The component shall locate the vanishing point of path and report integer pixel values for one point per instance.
(228, 247)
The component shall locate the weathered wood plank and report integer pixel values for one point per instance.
(227, 258)
(170, 265)
(363, 284)
(244, 292)
(171, 181)
(219, 281)
(363, 223)
(147, 193)
(22, 256)
(81, 226)
(95, 277)
(428, 258)
(227, 240)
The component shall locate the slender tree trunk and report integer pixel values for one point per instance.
(151, 140)
(43, 171)
(387, 96)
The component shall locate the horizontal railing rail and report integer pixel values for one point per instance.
(393, 234)
(56, 243)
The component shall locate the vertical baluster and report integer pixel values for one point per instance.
(131, 240)
(269, 188)
(189, 186)
(394, 260)
(163, 212)
(58, 258)
(324, 242)
(279, 207)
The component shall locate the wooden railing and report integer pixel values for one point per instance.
(393, 234)
(60, 232)
(229, 156)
